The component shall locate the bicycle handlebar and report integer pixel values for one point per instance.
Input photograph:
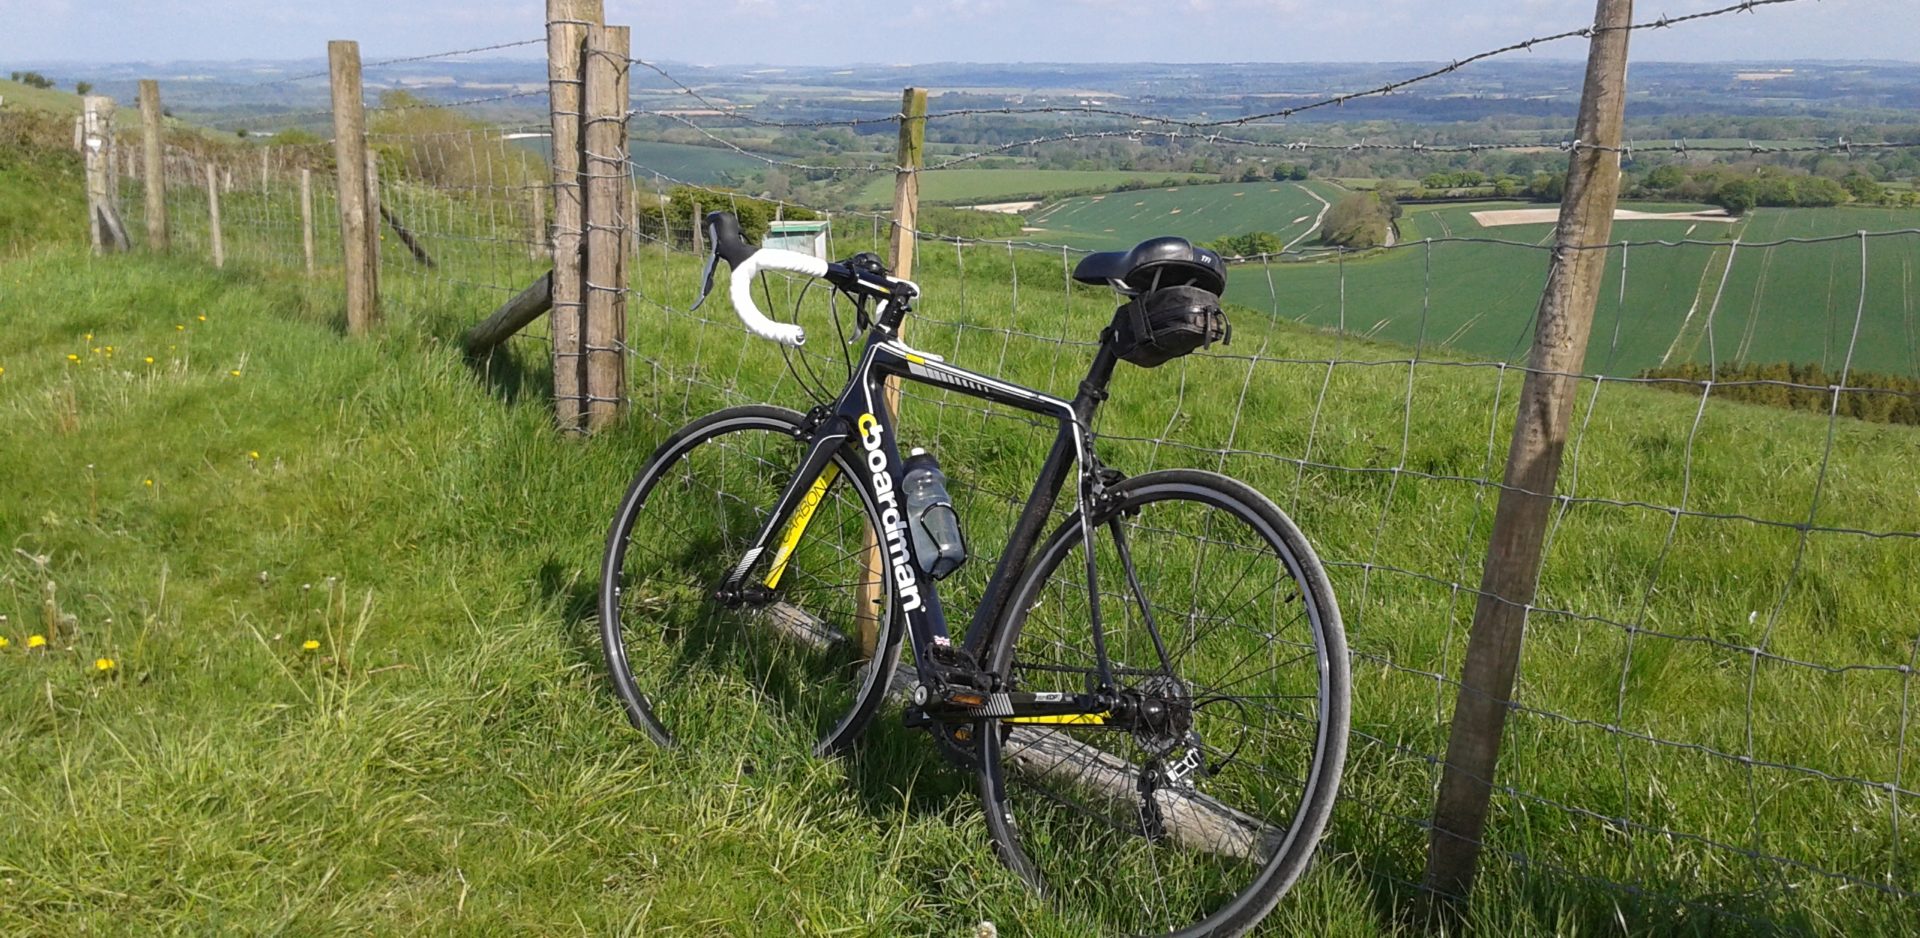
(741, 292)
(723, 230)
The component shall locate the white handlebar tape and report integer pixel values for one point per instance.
(741, 290)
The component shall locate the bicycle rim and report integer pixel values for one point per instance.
(796, 660)
(1196, 825)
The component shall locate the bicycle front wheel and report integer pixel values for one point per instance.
(1218, 620)
(810, 653)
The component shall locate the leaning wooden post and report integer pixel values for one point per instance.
(103, 213)
(607, 184)
(153, 173)
(306, 216)
(906, 218)
(567, 23)
(1512, 569)
(214, 239)
(350, 162)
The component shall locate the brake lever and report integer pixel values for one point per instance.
(706, 281)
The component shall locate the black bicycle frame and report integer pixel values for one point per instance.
(860, 419)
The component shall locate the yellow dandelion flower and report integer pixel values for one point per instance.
(149, 359)
(253, 454)
(179, 327)
(3, 369)
(72, 357)
(3, 641)
(149, 483)
(104, 665)
(203, 317)
(96, 350)
(36, 641)
(310, 645)
(235, 372)
(109, 350)
(89, 337)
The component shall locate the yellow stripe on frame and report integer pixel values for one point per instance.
(797, 525)
(1089, 718)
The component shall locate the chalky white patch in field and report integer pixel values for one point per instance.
(1541, 216)
(1006, 208)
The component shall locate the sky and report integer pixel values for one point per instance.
(831, 32)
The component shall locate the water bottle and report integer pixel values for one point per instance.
(938, 546)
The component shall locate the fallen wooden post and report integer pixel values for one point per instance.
(407, 238)
(512, 317)
(1190, 818)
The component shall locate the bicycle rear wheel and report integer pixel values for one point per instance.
(1196, 824)
(794, 654)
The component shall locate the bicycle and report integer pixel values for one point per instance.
(1153, 698)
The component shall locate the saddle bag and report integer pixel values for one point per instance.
(1161, 325)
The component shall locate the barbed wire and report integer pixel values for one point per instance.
(1526, 45)
(1612, 761)
(404, 60)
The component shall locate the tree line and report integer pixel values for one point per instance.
(1874, 397)
(1739, 189)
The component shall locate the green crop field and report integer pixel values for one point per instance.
(975, 186)
(703, 165)
(1198, 213)
(323, 654)
(1794, 302)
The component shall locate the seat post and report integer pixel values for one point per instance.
(1093, 388)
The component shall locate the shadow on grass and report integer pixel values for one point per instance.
(1515, 896)
(509, 376)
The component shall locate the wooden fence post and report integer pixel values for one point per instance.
(306, 216)
(214, 239)
(350, 161)
(567, 23)
(153, 173)
(698, 214)
(104, 228)
(906, 218)
(1512, 568)
(906, 180)
(608, 183)
(375, 215)
(539, 248)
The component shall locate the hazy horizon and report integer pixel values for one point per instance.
(807, 33)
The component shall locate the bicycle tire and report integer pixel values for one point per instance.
(1057, 796)
(659, 616)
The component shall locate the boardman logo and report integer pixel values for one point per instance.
(892, 521)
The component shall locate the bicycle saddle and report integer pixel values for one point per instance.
(1154, 263)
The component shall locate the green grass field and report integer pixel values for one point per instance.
(695, 164)
(55, 100)
(972, 186)
(1200, 213)
(446, 757)
(1794, 302)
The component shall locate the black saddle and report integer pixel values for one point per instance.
(1155, 263)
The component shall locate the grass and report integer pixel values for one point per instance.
(1200, 213)
(449, 760)
(967, 186)
(51, 100)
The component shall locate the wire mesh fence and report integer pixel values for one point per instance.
(1715, 708)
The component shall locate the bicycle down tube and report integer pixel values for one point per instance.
(860, 419)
